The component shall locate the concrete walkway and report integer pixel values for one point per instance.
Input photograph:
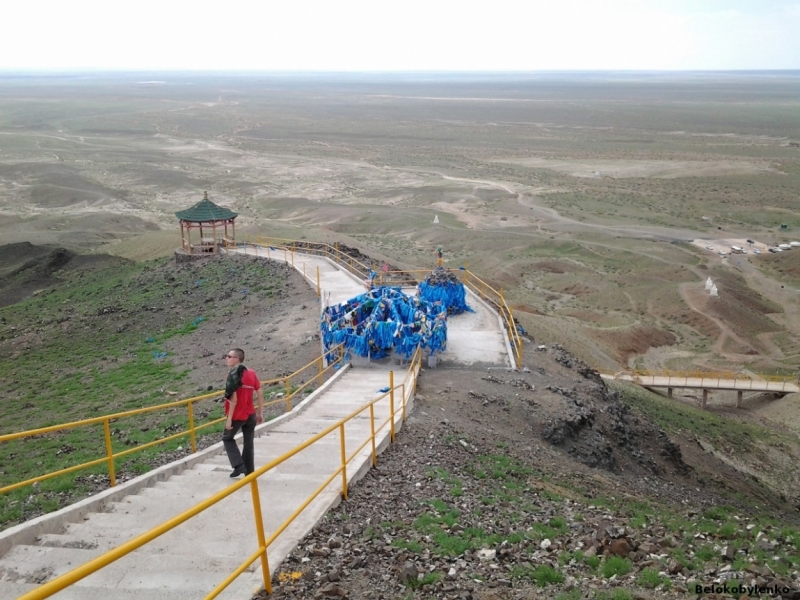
(190, 560)
(475, 338)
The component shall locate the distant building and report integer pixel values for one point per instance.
(215, 225)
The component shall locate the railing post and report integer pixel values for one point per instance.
(319, 290)
(372, 430)
(391, 404)
(344, 461)
(403, 387)
(416, 370)
(288, 395)
(191, 427)
(262, 540)
(319, 369)
(109, 452)
(292, 256)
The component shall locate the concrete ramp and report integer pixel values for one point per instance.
(472, 338)
(192, 559)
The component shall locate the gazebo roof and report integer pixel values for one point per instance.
(205, 210)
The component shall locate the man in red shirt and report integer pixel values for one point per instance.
(239, 388)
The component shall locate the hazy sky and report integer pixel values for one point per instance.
(377, 35)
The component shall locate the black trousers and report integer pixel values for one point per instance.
(246, 456)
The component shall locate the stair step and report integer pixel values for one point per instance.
(191, 559)
(15, 590)
(135, 571)
(105, 531)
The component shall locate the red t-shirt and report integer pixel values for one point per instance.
(244, 396)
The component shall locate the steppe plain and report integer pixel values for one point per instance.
(589, 198)
(578, 194)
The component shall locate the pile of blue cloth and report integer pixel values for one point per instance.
(444, 288)
(382, 320)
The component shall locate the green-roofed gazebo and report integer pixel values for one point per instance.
(212, 221)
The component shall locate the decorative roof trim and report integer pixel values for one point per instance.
(205, 211)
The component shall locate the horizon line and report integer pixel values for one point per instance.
(193, 71)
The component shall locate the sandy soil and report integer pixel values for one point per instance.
(661, 169)
(725, 244)
(511, 172)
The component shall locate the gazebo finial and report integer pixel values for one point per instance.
(205, 195)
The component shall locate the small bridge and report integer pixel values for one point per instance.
(709, 381)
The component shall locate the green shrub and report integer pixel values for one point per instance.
(544, 575)
(649, 577)
(705, 553)
(427, 579)
(616, 565)
(617, 594)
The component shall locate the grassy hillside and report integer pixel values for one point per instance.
(98, 338)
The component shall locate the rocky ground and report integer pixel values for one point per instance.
(536, 484)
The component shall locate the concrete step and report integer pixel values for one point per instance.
(160, 568)
(194, 557)
(9, 590)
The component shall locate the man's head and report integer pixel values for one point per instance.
(235, 356)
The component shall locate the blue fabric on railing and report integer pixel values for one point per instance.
(382, 320)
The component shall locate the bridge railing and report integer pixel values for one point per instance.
(287, 248)
(293, 389)
(739, 376)
(406, 390)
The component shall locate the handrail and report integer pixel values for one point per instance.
(191, 431)
(71, 577)
(475, 283)
(320, 248)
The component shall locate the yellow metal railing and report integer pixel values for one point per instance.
(287, 248)
(406, 388)
(110, 457)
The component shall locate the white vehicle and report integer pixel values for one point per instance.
(736, 249)
(784, 246)
(722, 253)
(756, 251)
(794, 244)
(709, 247)
(744, 251)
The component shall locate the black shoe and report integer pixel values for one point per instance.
(246, 473)
(237, 471)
